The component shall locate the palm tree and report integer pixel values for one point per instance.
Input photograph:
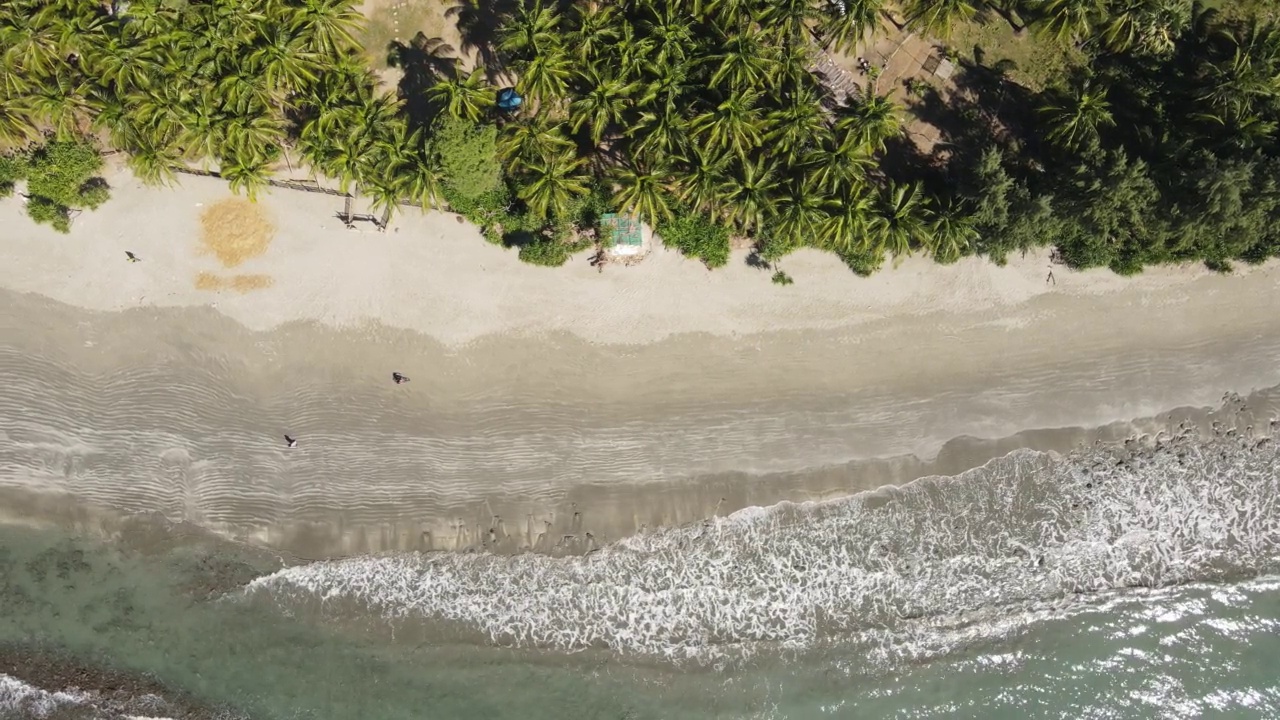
(15, 123)
(252, 136)
(950, 234)
(466, 97)
(412, 165)
(788, 20)
(357, 133)
(600, 107)
(547, 76)
(1238, 85)
(747, 195)
(383, 190)
(153, 160)
(847, 229)
(837, 164)
(667, 88)
(870, 123)
(797, 126)
(704, 179)
(328, 25)
(660, 133)
(801, 215)
(250, 173)
(243, 92)
(632, 54)
(62, 104)
(728, 14)
(900, 219)
(1076, 118)
(939, 17)
(595, 30)
(552, 181)
(283, 59)
(29, 40)
(671, 33)
(1155, 25)
(122, 62)
(845, 23)
(1069, 20)
(734, 125)
(203, 130)
(530, 140)
(532, 32)
(793, 74)
(643, 192)
(745, 62)
(147, 19)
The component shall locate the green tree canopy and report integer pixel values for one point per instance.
(468, 157)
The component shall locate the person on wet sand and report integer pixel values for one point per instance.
(398, 378)
(132, 257)
(293, 442)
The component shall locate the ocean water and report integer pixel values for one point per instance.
(1137, 581)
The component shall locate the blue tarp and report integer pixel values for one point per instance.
(509, 99)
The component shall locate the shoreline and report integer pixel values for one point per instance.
(538, 409)
(431, 272)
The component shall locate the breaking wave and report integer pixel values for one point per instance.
(904, 573)
(18, 699)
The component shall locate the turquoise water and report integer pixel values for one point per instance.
(1100, 585)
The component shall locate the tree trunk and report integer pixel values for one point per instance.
(1019, 29)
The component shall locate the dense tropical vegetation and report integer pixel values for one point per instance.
(62, 179)
(700, 116)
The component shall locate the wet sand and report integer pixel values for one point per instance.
(551, 409)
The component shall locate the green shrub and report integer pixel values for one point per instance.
(863, 263)
(550, 245)
(545, 251)
(695, 235)
(61, 177)
(468, 157)
(13, 167)
(47, 212)
(94, 193)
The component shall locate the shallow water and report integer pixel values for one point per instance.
(1111, 583)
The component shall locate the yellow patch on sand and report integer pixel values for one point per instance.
(239, 283)
(235, 230)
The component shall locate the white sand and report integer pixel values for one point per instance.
(551, 402)
(431, 274)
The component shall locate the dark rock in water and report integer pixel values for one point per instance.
(119, 693)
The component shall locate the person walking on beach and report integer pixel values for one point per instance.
(398, 378)
(293, 442)
(1050, 279)
(132, 257)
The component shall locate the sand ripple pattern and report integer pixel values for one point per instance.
(195, 438)
(903, 572)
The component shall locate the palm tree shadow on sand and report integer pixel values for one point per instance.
(424, 61)
(478, 23)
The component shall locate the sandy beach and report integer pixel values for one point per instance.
(550, 408)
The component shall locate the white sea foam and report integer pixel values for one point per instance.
(23, 700)
(906, 572)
